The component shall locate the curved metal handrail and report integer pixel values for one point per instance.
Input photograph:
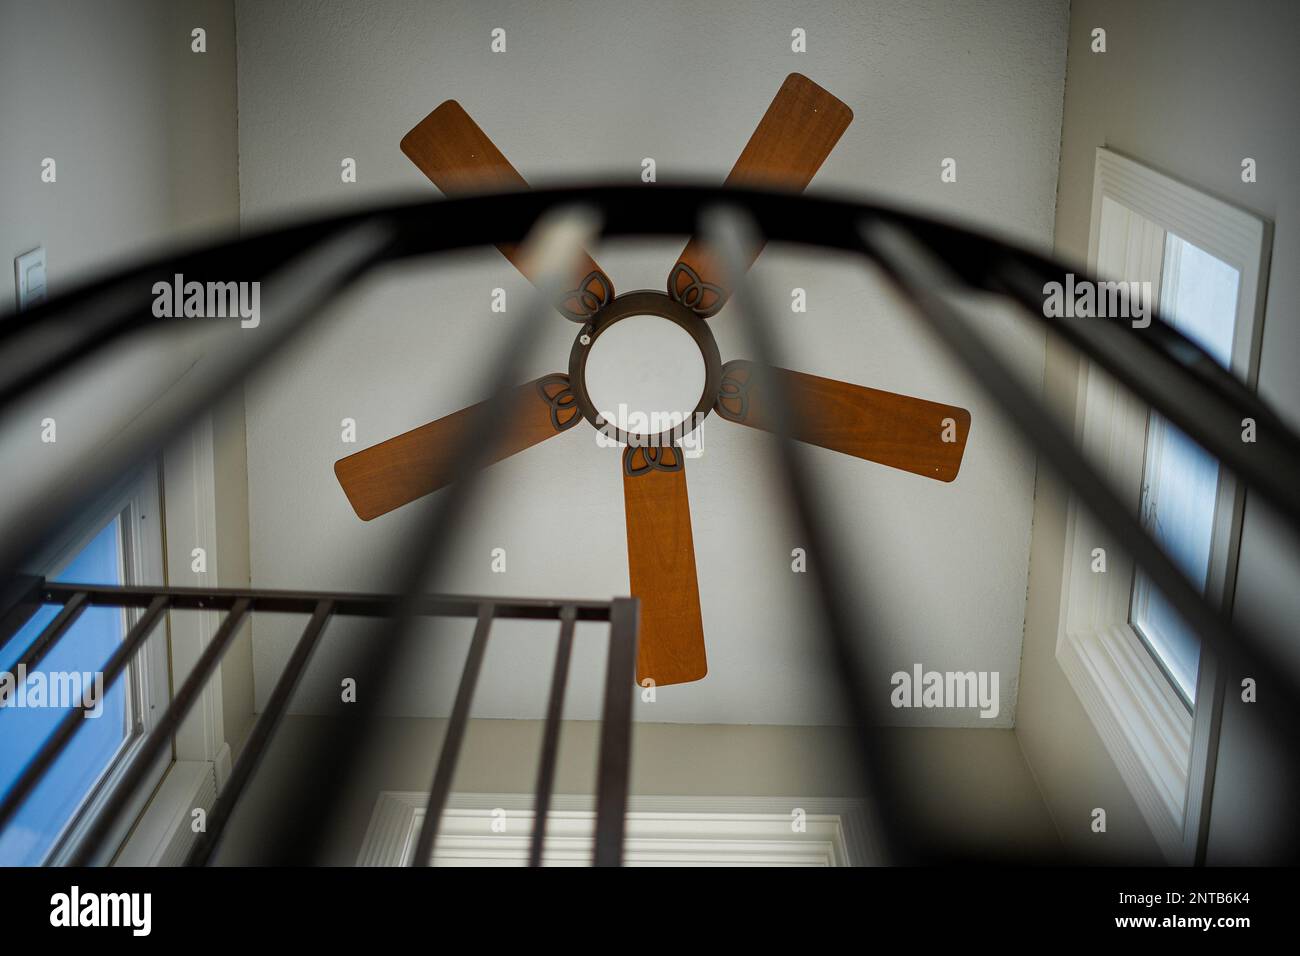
(305, 263)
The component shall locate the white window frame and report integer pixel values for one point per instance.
(137, 501)
(1164, 753)
(661, 831)
(198, 764)
(180, 491)
(189, 490)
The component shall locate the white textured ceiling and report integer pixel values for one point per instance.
(589, 89)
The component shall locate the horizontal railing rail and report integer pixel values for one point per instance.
(240, 603)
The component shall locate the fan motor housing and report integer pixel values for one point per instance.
(625, 306)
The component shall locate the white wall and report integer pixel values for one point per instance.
(588, 89)
(143, 133)
(1189, 88)
(142, 130)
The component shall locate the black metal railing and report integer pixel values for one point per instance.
(927, 261)
(154, 602)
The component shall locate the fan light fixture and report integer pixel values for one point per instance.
(793, 139)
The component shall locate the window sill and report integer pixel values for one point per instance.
(1142, 723)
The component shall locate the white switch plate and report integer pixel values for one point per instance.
(29, 278)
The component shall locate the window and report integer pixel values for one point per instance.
(667, 830)
(123, 546)
(1180, 482)
(1134, 665)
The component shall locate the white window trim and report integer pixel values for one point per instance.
(137, 498)
(1164, 754)
(160, 816)
(189, 485)
(189, 514)
(165, 833)
(661, 830)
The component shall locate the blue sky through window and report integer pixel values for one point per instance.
(86, 646)
(1199, 296)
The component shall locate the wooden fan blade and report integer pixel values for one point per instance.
(925, 438)
(419, 462)
(661, 562)
(451, 149)
(792, 140)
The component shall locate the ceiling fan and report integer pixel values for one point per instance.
(793, 139)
